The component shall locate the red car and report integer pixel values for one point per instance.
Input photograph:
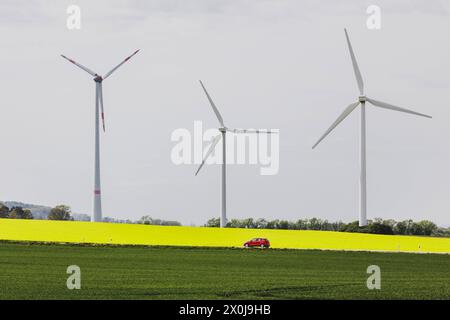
(258, 242)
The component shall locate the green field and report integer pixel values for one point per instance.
(33, 271)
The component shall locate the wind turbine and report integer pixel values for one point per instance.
(362, 99)
(222, 136)
(98, 110)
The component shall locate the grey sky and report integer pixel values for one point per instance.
(268, 64)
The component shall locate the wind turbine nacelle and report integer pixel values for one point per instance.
(362, 99)
(98, 79)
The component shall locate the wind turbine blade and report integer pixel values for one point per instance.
(210, 150)
(395, 108)
(120, 64)
(251, 131)
(92, 73)
(343, 115)
(358, 76)
(100, 98)
(216, 111)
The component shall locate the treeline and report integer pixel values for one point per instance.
(60, 212)
(147, 220)
(157, 222)
(64, 213)
(14, 213)
(376, 226)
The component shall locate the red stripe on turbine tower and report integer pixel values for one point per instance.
(103, 121)
(97, 192)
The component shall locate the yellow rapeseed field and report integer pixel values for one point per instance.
(132, 234)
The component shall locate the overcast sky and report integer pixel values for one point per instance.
(280, 64)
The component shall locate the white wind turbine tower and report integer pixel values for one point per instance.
(362, 99)
(223, 130)
(98, 110)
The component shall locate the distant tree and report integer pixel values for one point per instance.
(248, 223)
(428, 227)
(336, 226)
(390, 222)
(157, 222)
(283, 224)
(213, 223)
(20, 213)
(261, 224)
(421, 228)
(234, 223)
(4, 211)
(301, 224)
(351, 227)
(60, 212)
(416, 229)
(170, 223)
(145, 220)
(241, 223)
(114, 220)
(314, 224)
(273, 224)
(424, 228)
(378, 227)
(403, 227)
(442, 232)
(325, 225)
